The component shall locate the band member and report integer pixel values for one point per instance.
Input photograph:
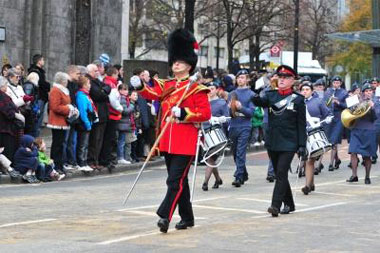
(219, 111)
(242, 111)
(375, 82)
(286, 134)
(318, 110)
(319, 88)
(335, 99)
(363, 137)
(179, 141)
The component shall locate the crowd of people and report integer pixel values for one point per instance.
(98, 121)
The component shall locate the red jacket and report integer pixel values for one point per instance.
(113, 113)
(181, 136)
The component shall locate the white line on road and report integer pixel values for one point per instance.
(360, 185)
(266, 201)
(321, 207)
(25, 223)
(334, 194)
(128, 238)
(154, 214)
(152, 206)
(229, 209)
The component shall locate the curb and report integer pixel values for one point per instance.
(6, 179)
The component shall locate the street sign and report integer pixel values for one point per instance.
(275, 51)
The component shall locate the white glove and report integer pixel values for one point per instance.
(214, 120)
(176, 112)
(19, 116)
(153, 110)
(328, 120)
(136, 82)
(222, 119)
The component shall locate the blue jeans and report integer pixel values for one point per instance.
(121, 145)
(40, 118)
(71, 147)
(239, 137)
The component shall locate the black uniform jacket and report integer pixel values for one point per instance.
(286, 122)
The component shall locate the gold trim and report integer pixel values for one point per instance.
(190, 114)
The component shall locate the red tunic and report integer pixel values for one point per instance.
(181, 136)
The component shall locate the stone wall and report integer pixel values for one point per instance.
(48, 27)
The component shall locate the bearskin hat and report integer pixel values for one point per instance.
(182, 46)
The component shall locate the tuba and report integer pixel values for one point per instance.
(350, 115)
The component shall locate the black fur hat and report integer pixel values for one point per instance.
(182, 46)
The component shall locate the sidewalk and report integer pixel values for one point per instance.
(46, 134)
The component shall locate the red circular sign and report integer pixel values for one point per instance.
(275, 50)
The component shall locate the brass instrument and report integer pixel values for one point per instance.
(274, 83)
(329, 101)
(349, 116)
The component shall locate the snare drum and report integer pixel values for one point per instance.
(214, 141)
(317, 143)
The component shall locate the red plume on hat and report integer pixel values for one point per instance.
(182, 46)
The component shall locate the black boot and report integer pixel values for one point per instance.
(163, 224)
(331, 168)
(287, 209)
(184, 224)
(217, 183)
(274, 211)
(205, 187)
(337, 163)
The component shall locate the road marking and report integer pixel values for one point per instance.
(229, 209)
(266, 201)
(321, 207)
(360, 185)
(366, 234)
(154, 214)
(152, 206)
(334, 194)
(128, 238)
(25, 223)
(257, 153)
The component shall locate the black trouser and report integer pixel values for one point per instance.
(178, 188)
(108, 155)
(10, 145)
(282, 192)
(57, 146)
(95, 143)
(82, 148)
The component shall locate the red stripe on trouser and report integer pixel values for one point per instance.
(180, 189)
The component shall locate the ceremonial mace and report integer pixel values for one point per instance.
(194, 78)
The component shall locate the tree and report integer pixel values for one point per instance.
(318, 19)
(355, 57)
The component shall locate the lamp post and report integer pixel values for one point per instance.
(296, 23)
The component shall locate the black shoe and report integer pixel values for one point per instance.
(349, 165)
(217, 183)
(245, 178)
(316, 172)
(163, 224)
(352, 179)
(184, 224)
(337, 163)
(270, 179)
(331, 168)
(205, 187)
(306, 189)
(312, 188)
(14, 174)
(367, 180)
(237, 183)
(321, 167)
(287, 209)
(373, 160)
(274, 211)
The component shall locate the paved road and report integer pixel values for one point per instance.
(86, 215)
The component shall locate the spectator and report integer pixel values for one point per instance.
(125, 124)
(60, 108)
(4, 69)
(26, 159)
(10, 120)
(72, 86)
(21, 72)
(45, 169)
(31, 89)
(43, 86)
(5, 165)
(120, 69)
(137, 127)
(99, 94)
(88, 116)
(257, 122)
(108, 156)
(101, 70)
(82, 70)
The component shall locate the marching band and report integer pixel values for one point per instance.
(303, 118)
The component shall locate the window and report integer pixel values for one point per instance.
(204, 50)
(221, 52)
(236, 53)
